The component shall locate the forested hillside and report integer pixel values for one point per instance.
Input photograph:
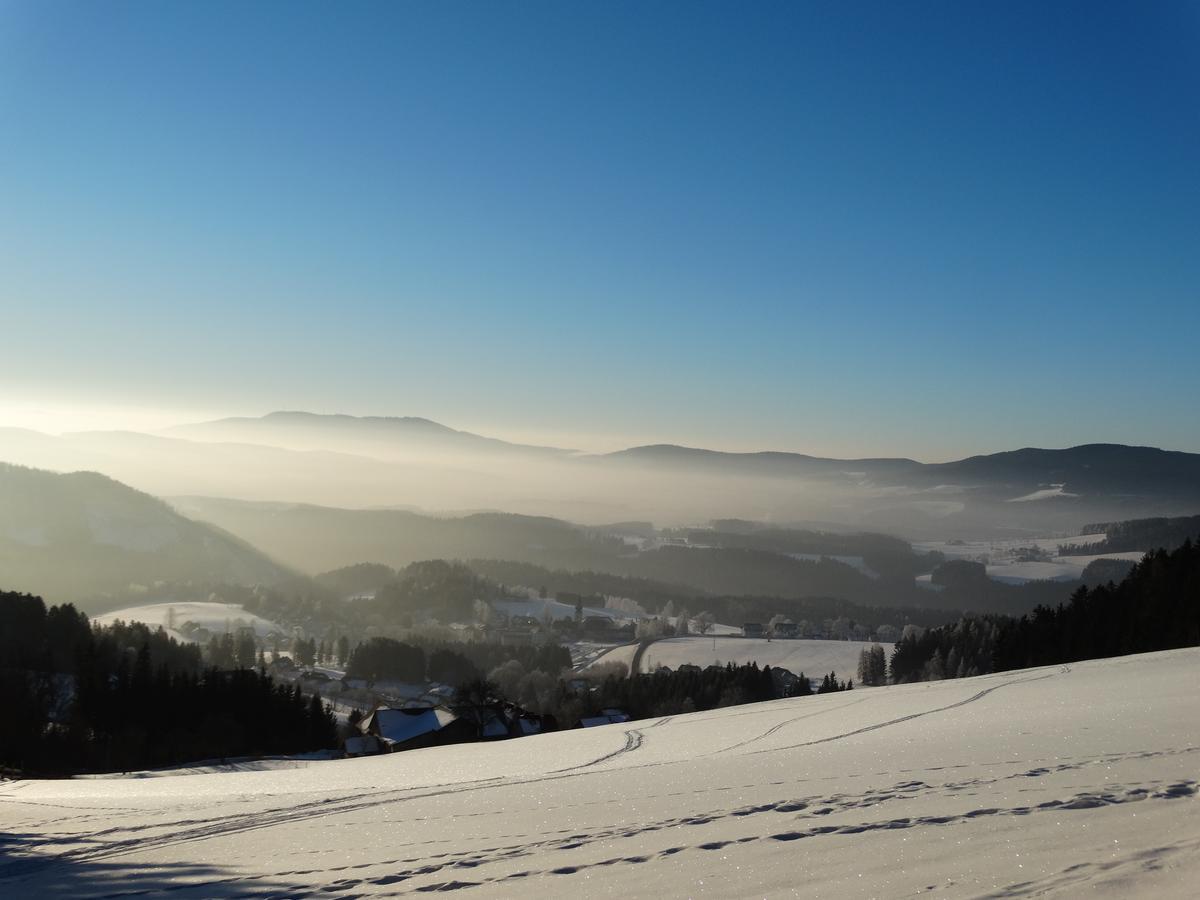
(790, 564)
(1142, 534)
(124, 697)
(1156, 607)
(82, 536)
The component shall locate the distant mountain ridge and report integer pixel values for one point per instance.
(295, 428)
(410, 462)
(1085, 468)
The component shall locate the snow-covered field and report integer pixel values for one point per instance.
(1060, 568)
(216, 617)
(1049, 493)
(1006, 561)
(810, 657)
(1069, 781)
(719, 629)
(976, 549)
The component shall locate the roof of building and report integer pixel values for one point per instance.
(593, 721)
(526, 725)
(606, 717)
(397, 726)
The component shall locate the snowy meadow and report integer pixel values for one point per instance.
(1056, 781)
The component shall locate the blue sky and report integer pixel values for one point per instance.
(923, 229)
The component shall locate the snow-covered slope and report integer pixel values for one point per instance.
(813, 658)
(1060, 568)
(217, 618)
(1009, 561)
(1066, 780)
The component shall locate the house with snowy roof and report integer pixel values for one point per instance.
(412, 727)
(604, 717)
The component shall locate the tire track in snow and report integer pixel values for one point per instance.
(778, 725)
(223, 826)
(929, 712)
(633, 740)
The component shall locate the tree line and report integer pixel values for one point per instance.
(385, 659)
(1155, 607)
(79, 698)
(1136, 534)
(671, 692)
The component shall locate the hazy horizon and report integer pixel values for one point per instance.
(55, 419)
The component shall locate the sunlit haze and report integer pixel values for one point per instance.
(848, 231)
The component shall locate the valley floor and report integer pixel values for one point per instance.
(1057, 781)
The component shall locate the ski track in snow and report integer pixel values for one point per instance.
(929, 712)
(1087, 773)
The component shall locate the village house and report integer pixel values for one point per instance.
(604, 717)
(410, 728)
(391, 730)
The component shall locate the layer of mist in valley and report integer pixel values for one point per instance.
(415, 464)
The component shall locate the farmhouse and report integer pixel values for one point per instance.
(605, 717)
(412, 727)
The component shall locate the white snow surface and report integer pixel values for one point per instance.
(1048, 493)
(1067, 781)
(1060, 568)
(975, 549)
(213, 616)
(1004, 562)
(813, 658)
(718, 629)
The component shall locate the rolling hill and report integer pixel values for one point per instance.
(217, 618)
(1031, 488)
(414, 463)
(318, 538)
(77, 537)
(379, 436)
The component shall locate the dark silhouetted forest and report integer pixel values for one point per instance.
(1156, 607)
(123, 697)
